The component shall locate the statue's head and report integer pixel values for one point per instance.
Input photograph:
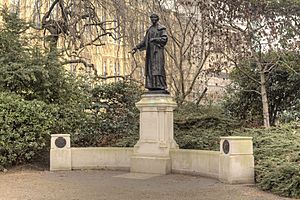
(154, 18)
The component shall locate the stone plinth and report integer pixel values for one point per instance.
(60, 152)
(152, 151)
(236, 160)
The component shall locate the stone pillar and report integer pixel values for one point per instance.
(236, 160)
(60, 152)
(152, 151)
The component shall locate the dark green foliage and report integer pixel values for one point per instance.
(112, 116)
(38, 79)
(244, 101)
(24, 128)
(195, 127)
(190, 116)
(72, 104)
(116, 103)
(277, 159)
(276, 150)
(22, 66)
(29, 71)
(200, 127)
(50, 101)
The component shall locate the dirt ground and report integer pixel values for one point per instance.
(118, 185)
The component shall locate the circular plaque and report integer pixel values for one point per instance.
(60, 142)
(226, 146)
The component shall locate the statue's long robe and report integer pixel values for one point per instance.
(155, 58)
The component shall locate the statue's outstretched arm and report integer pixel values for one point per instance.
(141, 46)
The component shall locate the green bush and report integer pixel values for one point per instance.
(243, 99)
(200, 127)
(112, 118)
(195, 127)
(24, 128)
(276, 150)
(277, 159)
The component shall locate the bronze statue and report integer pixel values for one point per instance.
(154, 42)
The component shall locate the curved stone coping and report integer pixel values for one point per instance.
(102, 148)
(236, 138)
(196, 151)
(60, 135)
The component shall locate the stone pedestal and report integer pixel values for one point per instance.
(236, 160)
(60, 152)
(152, 151)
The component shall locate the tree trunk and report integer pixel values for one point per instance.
(264, 97)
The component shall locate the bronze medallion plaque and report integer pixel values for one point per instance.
(60, 142)
(226, 146)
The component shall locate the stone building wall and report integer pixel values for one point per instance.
(113, 58)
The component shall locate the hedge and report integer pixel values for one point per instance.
(24, 128)
(276, 150)
(277, 159)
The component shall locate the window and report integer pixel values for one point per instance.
(119, 69)
(104, 18)
(104, 69)
(37, 13)
(115, 71)
(115, 29)
(15, 6)
(104, 24)
(14, 2)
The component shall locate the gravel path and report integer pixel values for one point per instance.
(118, 185)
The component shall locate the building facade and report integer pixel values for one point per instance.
(112, 60)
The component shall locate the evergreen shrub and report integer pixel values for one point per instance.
(112, 118)
(277, 159)
(24, 128)
(200, 127)
(276, 150)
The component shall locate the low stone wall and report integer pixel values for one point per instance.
(101, 158)
(195, 162)
(234, 163)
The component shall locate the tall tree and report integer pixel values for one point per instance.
(72, 26)
(244, 98)
(255, 28)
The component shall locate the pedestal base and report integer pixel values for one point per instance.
(236, 160)
(152, 151)
(60, 159)
(155, 165)
(236, 169)
(60, 153)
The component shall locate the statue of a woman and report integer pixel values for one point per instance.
(154, 42)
